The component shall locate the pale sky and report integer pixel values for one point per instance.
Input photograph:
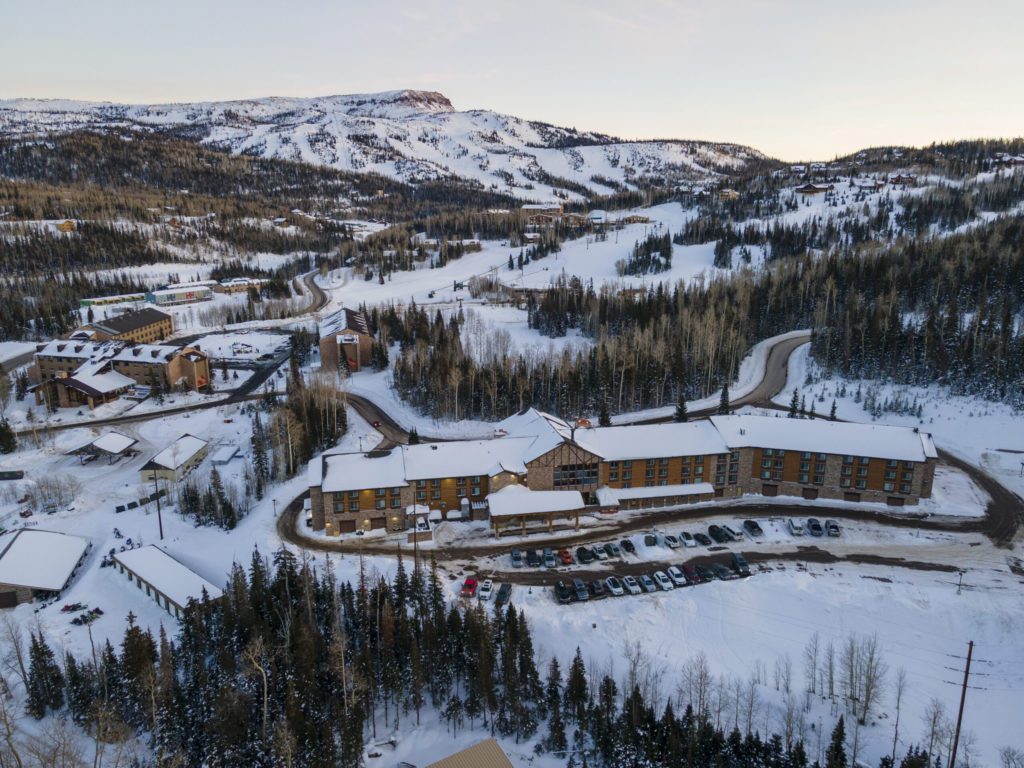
(798, 79)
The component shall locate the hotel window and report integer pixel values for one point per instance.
(649, 462)
(847, 459)
(699, 469)
(380, 491)
(613, 465)
(733, 479)
(844, 482)
(381, 504)
(819, 467)
(905, 488)
(805, 466)
(396, 503)
(862, 471)
(719, 479)
(649, 473)
(862, 484)
(613, 475)
(435, 482)
(766, 475)
(819, 479)
(476, 478)
(627, 474)
(476, 490)
(663, 472)
(353, 506)
(435, 494)
(663, 462)
(864, 460)
(890, 474)
(804, 479)
(806, 455)
(339, 504)
(888, 487)
(766, 463)
(767, 451)
(421, 495)
(908, 476)
(421, 483)
(892, 463)
(353, 494)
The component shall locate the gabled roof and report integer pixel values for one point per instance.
(643, 441)
(130, 321)
(484, 754)
(96, 377)
(464, 458)
(42, 560)
(167, 574)
(519, 500)
(344, 319)
(178, 453)
(113, 443)
(880, 441)
(362, 471)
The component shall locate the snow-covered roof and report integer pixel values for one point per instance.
(113, 442)
(344, 319)
(224, 454)
(42, 560)
(823, 436)
(166, 574)
(146, 353)
(520, 500)
(644, 441)
(549, 431)
(96, 377)
(179, 452)
(466, 458)
(363, 471)
(81, 350)
(607, 496)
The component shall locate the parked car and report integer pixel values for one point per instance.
(702, 539)
(739, 564)
(733, 533)
(597, 590)
(469, 587)
(565, 557)
(687, 539)
(719, 535)
(599, 552)
(628, 546)
(503, 594)
(753, 528)
(632, 585)
(814, 527)
(549, 559)
(651, 540)
(612, 549)
(648, 583)
(704, 573)
(663, 581)
(832, 528)
(517, 558)
(691, 574)
(614, 586)
(580, 589)
(533, 558)
(721, 572)
(795, 526)
(584, 555)
(671, 541)
(677, 576)
(562, 593)
(486, 590)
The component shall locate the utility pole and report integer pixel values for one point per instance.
(159, 517)
(963, 698)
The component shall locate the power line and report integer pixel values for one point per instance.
(963, 700)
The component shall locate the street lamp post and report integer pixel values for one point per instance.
(159, 516)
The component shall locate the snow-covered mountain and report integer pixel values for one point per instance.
(409, 135)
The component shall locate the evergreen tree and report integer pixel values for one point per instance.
(414, 436)
(794, 404)
(723, 403)
(604, 418)
(835, 755)
(681, 414)
(832, 412)
(8, 440)
(45, 680)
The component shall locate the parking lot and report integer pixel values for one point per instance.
(654, 561)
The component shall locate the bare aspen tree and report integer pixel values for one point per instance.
(934, 716)
(10, 748)
(900, 689)
(1011, 757)
(253, 656)
(872, 669)
(789, 720)
(15, 657)
(751, 705)
(829, 671)
(787, 673)
(811, 651)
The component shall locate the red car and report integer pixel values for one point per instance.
(565, 556)
(376, 424)
(469, 588)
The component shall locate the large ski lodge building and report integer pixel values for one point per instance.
(542, 469)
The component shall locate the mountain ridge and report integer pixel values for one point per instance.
(407, 134)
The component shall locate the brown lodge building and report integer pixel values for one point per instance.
(143, 326)
(610, 468)
(77, 372)
(345, 338)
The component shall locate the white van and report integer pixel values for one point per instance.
(796, 527)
